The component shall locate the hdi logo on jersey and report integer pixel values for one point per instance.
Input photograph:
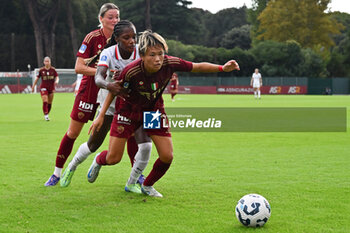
(151, 120)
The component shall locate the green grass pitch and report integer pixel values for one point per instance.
(304, 176)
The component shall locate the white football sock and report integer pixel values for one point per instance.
(79, 157)
(259, 94)
(141, 160)
(57, 172)
(255, 94)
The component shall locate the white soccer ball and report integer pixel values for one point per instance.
(253, 210)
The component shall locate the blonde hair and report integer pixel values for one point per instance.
(150, 39)
(104, 8)
(47, 57)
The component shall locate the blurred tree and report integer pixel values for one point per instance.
(71, 26)
(237, 37)
(174, 20)
(339, 62)
(252, 16)
(148, 24)
(220, 23)
(336, 66)
(135, 12)
(43, 15)
(313, 65)
(304, 21)
(344, 19)
(279, 59)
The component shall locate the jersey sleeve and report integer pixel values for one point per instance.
(39, 74)
(105, 58)
(55, 73)
(86, 47)
(179, 64)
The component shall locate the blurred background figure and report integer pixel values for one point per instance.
(174, 85)
(256, 83)
(49, 78)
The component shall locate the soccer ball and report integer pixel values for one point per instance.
(253, 210)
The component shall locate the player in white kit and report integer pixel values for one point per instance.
(112, 59)
(256, 83)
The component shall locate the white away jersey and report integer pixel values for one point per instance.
(112, 59)
(256, 79)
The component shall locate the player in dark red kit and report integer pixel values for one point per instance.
(85, 103)
(49, 78)
(174, 85)
(142, 85)
(120, 51)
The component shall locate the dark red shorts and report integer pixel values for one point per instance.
(126, 123)
(46, 91)
(83, 111)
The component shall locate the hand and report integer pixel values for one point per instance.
(230, 66)
(96, 125)
(115, 87)
(116, 74)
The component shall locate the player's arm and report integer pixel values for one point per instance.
(35, 82)
(260, 80)
(74, 84)
(251, 81)
(102, 83)
(211, 68)
(57, 79)
(82, 68)
(100, 75)
(98, 122)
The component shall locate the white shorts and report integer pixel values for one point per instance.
(102, 94)
(256, 85)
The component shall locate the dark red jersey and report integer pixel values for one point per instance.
(48, 77)
(91, 47)
(174, 83)
(145, 90)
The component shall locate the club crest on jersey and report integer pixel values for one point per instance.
(154, 86)
(81, 115)
(120, 129)
(104, 58)
(82, 48)
(141, 83)
(126, 85)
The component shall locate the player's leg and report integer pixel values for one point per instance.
(110, 157)
(164, 147)
(142, 157)
(95, 141)
(173, 95)
(255, 92)
(132, 149)
(65, 149)
(49, 101)
(259, 93)
(44, 98)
